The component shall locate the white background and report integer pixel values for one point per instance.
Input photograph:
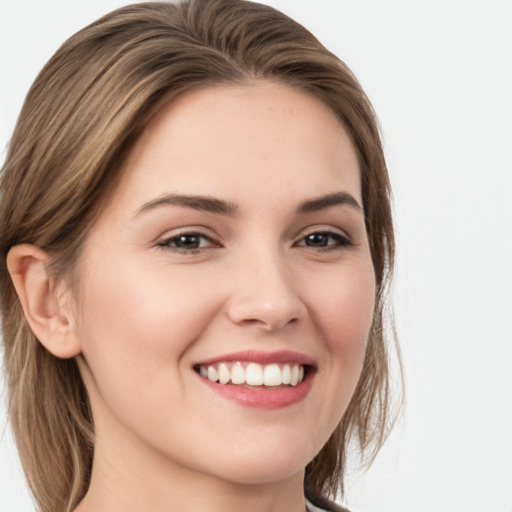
(439, 73)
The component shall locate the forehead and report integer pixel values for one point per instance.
(247, 141)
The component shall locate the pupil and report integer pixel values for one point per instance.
(188, 241)
(316, 240)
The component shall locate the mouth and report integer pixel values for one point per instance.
(249, 374)
(259, 379)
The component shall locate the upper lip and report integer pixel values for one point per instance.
(261, 357)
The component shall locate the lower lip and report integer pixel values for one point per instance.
(262, 398)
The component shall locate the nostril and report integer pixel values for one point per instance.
(268, 324)
(267, 316)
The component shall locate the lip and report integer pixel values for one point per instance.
(261, 357)
(261, 397)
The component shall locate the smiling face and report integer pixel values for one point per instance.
(227, 290)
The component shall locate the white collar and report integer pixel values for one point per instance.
(312, 508)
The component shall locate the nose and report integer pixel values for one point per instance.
(264, 293)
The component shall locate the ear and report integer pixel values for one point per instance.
(47, 311)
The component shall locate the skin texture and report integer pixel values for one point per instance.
(150, 311)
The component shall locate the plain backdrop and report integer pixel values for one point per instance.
(439, 73)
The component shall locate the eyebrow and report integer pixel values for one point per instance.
(222, 207)
(202, 203)
(319, 203)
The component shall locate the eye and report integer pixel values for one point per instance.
(324, 240)
(187, 242)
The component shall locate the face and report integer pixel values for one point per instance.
(227, 290)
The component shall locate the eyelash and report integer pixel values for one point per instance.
(340, 242)
(167, 243)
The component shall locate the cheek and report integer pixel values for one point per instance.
(137, 325)
(342, 311)
(144, 305)
(345, 308)
(344, 314)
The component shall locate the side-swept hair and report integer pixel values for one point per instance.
(79, 122)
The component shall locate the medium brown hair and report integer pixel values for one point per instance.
(80, 119)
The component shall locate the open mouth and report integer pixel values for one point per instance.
(251, 374)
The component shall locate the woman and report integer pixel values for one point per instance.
(197, 240)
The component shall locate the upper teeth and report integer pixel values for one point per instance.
(254, 374)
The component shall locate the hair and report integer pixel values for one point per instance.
(80, 119)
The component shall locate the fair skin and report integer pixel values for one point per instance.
(171, 285)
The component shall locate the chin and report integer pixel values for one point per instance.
(264, 465)
(268, 471)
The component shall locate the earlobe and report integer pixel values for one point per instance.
(47, 311)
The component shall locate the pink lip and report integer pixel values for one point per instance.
(263, 398)
(260, 397)
(281, 356)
